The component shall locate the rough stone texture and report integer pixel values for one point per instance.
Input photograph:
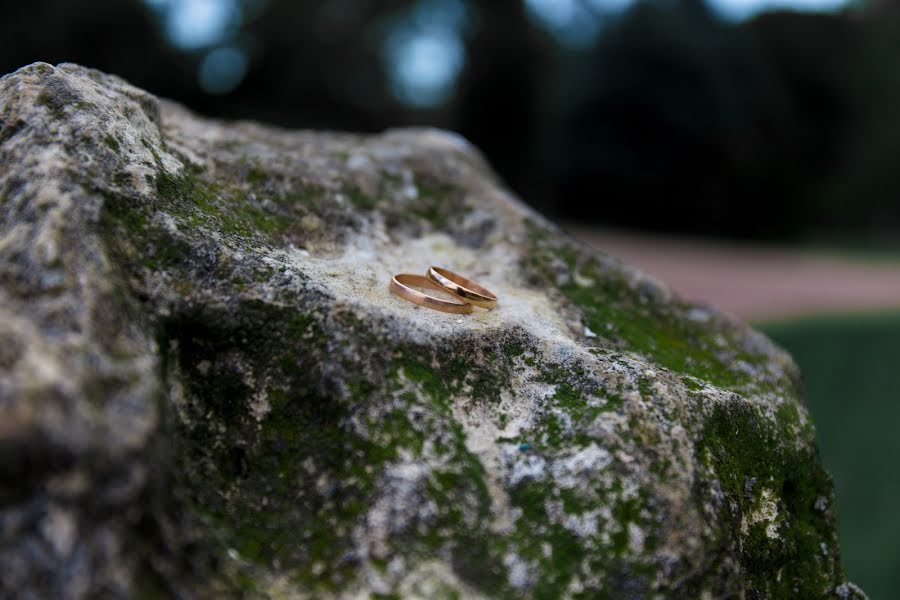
(207, 390)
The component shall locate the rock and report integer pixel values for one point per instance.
(207, 390)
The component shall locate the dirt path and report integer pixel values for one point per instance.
(755, 283)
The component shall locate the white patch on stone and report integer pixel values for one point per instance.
(398, 505)
(699, 315)
(60, 529)
(522, 467)
(547, 549)
(767, 513)
(584, 525)
(481, 440)
(821, 503)
(360, 275)
(582, 281)
(635, 539)
(517, 571)
(846, 591)
(357, 162)
(259, 404)
(580, 465)
(433, 579)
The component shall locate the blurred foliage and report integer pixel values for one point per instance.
(852, 396)
(692, 124)
(780, 127)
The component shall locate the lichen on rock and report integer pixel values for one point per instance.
(207, 390)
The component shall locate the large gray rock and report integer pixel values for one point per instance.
(207, 390)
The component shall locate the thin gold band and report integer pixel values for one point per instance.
(463, 288)
(400, 286)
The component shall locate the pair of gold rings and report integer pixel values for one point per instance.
(465, 293)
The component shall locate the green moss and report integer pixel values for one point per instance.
(430, 382)
(257, 485)
(179, 187)
(226, 208)
(53, 105)
(134, 239)
(111, 143)
(513, 348)
(249, 220)
(635, 321)
(148, 105)
(256, 175)
(749, 452)
(437, 200)
(122, 179)
(307, 195)
(535, 531)
(459, 489)
(360, 199)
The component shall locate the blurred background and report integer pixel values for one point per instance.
(747, 152)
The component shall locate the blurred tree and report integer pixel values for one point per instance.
(316, 64)
(859, 199)
(117, 36)
(814, 59)
(504, 92)
(677, 121)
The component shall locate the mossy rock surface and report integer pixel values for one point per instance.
(206, 389)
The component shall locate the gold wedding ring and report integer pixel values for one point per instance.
(465, 289)
(400, 285)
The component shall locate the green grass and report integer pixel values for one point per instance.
(851, 367)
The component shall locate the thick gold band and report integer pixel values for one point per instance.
(463, 288)
(400, 286)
